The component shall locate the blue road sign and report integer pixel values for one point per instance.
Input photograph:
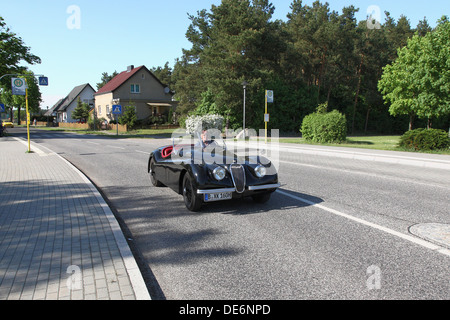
(43, 81)
(117, 110)
(2, 107)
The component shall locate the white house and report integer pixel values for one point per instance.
(64, 107)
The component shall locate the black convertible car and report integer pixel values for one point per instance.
(207, 171)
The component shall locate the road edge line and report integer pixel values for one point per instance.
(403, 236)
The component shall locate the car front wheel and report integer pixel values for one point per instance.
(192, 201)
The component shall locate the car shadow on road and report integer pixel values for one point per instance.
(164, 235)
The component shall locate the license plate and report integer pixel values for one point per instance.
(211, 197)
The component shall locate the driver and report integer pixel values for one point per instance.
(206, 140)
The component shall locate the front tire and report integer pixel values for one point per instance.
(192, 201)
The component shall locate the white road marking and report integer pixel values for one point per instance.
(410, 238)
(116, 147)
(374, 175)
(142, 152)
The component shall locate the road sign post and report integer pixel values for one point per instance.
(117, 111)
(20, 88)
(28, 120)
(269, 99)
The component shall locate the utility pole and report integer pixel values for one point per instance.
(245, 84)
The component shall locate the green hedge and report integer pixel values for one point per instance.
(325, 127)
(425, 140)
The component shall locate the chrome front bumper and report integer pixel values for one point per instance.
(250, 188)
(264, 187)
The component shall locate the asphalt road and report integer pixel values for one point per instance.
(337, 229)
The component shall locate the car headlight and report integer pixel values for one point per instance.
(219, 173)
(260, 171)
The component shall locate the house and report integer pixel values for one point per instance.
(64, 108)
(136, 87)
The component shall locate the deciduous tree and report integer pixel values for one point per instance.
(418, 82)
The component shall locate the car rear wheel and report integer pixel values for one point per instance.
(192, 201)
(151, 168)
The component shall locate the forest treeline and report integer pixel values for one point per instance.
(317, 55)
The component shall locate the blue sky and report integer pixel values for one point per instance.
(114, 34)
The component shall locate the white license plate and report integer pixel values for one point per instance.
(211, 197)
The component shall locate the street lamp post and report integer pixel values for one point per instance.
(244, 84)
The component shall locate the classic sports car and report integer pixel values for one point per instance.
(206, 172)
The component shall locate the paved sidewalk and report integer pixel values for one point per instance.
(58, 238)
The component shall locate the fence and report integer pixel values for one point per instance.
(85, 126)
(79, 126)
(122, 129)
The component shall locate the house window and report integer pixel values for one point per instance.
(99, 109)
(135, 88)
(107, 109)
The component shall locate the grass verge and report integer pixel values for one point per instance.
(389, 143)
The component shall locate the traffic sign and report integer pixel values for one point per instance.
(267, 117)
(19, 86)
(117, 110)
(43, 81)
(2, 107)
(270, 96)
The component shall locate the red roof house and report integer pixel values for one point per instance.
(136, 87)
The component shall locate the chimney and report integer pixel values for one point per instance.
(129, 68)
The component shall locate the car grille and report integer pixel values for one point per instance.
(238, 175)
